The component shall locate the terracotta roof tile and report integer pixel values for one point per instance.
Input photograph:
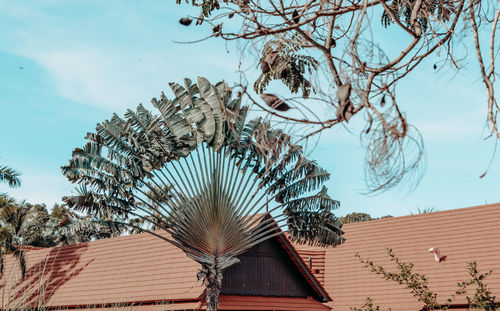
(226, 302)
(139, 270)
(315, 261)
(130, 268)
(146, 270)
(463, 235)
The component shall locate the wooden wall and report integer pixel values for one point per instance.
(266, 270)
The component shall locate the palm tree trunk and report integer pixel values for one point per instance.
(214, 285)
(213, 282)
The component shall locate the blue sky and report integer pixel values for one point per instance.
(83, 60)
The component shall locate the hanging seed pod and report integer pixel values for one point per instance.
(333, 43)
(186, 21)
(295, 17)
(216, 30)
(274, 102)
(269, 61)
(345, 110)
(200, 19)
(271, 58)
(265, 67)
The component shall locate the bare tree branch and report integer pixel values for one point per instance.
(330, 48)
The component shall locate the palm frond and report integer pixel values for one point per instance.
(425, 210)
(19, 255)
(7, 247)
(198, 170)
(10, 176)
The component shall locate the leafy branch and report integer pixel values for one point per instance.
(282, 61)
(418, 285)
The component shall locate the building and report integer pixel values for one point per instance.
(142, 272)
(463, 235)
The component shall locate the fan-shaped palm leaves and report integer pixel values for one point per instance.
(203, 173)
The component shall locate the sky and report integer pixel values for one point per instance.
(67, 65)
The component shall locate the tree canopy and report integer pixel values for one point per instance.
(23, 224)
(355, 217)
(198, 169)
(359, 217)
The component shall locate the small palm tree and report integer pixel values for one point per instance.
(425, 210)
(10, 176)
(207, 176)
(12, 219)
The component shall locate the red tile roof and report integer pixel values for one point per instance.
(139, 270)
(315, 261)
(463, 235)
(144, 271)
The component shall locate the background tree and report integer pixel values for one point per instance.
(23, 224)
(359, 217)
(355, 217)
(11, 220)
(62, 226)
(386, 216)
(330, 53)
(207, 176)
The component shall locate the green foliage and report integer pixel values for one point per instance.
(415, 282)
(402, 10)
(359, 217)
(10, 217)
(155, 197)
(283, 61)
(24, 224)
(418, 285)
(482, 298)
(425, 210)
(355, 217)
(386, 216)
(202, 172)
(125, 158)
(10, 176)
(64, 226)
(368, 306)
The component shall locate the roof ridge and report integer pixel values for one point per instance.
(448, 211)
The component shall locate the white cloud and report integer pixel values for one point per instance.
(110, 80)
(109, 67)
(83, 76)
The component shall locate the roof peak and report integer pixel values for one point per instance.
(448, 211)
